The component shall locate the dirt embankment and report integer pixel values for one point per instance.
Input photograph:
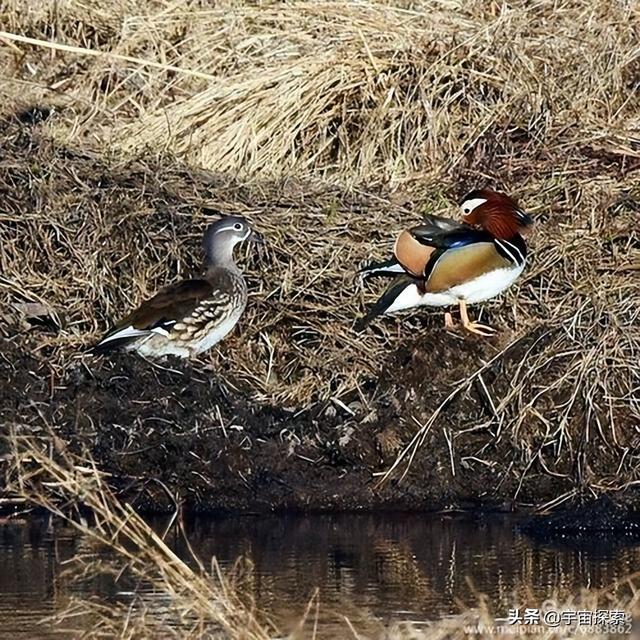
(297, 410)
(178, 431)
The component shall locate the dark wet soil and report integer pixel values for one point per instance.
(179, 432)
(588, 524)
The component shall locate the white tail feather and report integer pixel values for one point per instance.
(126, 332)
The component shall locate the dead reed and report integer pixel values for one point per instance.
(203, 604)
(350, 90)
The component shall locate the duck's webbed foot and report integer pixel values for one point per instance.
(474, 327)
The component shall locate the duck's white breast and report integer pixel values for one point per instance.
(486, 286)
(482, 288)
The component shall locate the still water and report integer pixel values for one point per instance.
(387, 568)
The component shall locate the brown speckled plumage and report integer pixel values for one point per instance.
(189, 317)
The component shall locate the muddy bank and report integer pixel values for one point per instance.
(182, 432)
(178, 431)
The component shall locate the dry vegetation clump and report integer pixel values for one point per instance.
(356, 91)
(331, 126)
(203, 603)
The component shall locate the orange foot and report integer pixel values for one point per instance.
(473, 327)
(448, 321)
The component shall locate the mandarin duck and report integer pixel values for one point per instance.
(443, 262)
(191, 316)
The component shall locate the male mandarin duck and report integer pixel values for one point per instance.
(443, 262)
(191, 316)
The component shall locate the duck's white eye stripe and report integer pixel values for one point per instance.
(470, 205)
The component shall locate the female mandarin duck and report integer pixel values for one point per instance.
(191, 316)
(443, 262)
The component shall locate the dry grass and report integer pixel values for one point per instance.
(362, 91)
(203, 603)
(400, 107)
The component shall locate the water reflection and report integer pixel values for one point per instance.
(28, 566)
(400, 566)
(388, 567)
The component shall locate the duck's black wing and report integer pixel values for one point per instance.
(386, 300)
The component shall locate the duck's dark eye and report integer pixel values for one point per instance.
(237, 226)
(466, 210)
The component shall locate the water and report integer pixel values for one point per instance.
(389, 567)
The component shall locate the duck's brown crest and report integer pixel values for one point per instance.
(500, 215)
